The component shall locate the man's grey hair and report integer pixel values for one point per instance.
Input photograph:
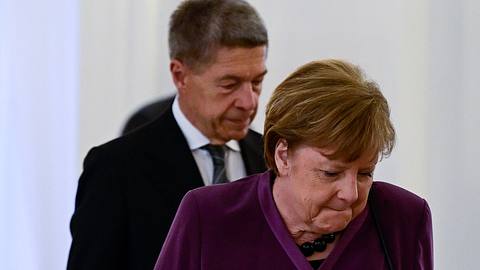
(198, 28)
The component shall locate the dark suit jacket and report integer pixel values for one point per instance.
(130, 190)
(147, 113)
(238, 226)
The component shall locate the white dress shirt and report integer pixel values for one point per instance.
(234, 165)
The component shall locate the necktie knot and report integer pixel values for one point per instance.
(217, 152)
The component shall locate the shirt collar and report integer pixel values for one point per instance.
(195, 137)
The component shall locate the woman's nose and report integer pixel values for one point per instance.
(348, 190)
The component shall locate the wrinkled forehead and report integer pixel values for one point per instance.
(236, 61)
(338, 156)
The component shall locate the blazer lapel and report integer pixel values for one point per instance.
(345, 240)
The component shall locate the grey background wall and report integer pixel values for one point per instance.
(71, 72)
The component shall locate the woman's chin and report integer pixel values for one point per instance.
(334, 222)
(340, 226)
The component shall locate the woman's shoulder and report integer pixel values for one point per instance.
(398, 203)
(244, 189)
(406, 224)
(237, 200)
(386, 191)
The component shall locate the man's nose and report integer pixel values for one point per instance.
(247, 98)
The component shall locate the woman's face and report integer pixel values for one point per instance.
(326, 194)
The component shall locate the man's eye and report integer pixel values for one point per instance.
(257, 86)
(229, 86)
(257, 83)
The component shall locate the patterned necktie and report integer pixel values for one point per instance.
(218, 157)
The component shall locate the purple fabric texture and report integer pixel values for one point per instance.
(237, 226)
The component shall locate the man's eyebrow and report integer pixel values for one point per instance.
(262, 74)
(229, 77)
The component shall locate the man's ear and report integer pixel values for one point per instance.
(281, 157)
(178, 70)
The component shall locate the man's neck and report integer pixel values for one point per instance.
(195, 138)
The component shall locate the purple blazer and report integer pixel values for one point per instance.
(237, 226)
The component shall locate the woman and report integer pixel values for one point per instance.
(326, 128)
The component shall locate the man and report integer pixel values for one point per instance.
(131, 187)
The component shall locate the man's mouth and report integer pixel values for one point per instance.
(240, 122)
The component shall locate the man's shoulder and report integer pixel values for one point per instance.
(150, 139)
(252, 152)
(147, 114)
(253, 137)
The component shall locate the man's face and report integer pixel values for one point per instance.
(221, 99)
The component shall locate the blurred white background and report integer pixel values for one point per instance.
(72, 71)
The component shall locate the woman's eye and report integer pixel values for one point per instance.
(330, 174)
(366, 174)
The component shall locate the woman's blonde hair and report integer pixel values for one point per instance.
(331, 104)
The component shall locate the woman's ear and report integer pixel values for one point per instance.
(281, 157)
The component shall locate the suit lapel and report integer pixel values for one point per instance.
(252, 153)
(174, 156)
